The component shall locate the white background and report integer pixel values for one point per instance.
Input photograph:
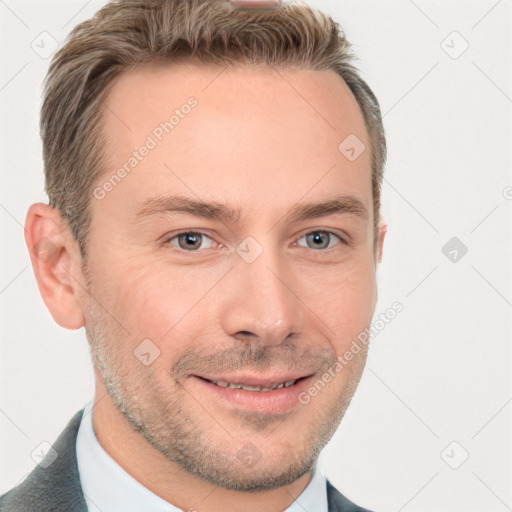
(439, 372)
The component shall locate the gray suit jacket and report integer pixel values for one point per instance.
(57, 488)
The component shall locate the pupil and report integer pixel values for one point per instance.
(321, 239)
(191, 241)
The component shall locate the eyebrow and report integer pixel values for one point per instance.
(220, 212)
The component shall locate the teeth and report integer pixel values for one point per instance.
(254, 388)
(224, 384)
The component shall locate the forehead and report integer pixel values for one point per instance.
(150, 91)
(253, 132)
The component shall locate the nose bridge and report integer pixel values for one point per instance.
(260, 301)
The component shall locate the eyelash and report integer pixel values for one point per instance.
(168, 239)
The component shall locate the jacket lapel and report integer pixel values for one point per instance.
(338, 503)
(56, 487)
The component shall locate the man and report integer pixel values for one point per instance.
(214, 223)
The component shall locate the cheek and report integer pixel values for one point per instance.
(345, 303)
(160, 303)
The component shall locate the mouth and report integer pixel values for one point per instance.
(273, 394)
(248, 387)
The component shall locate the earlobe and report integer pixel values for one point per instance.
(56, 264)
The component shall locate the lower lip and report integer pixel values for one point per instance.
(269, 402)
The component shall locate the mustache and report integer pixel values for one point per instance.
(253, 359)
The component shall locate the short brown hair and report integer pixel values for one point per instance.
(125, 33)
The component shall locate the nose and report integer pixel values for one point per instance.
(260, 304)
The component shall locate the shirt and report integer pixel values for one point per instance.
(107, 487)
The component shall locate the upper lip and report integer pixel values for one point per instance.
(265, 381)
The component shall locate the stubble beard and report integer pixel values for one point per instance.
(169, 428)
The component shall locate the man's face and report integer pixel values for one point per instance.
(261, 297)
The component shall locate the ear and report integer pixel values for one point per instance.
(56, 263)
(383, 229)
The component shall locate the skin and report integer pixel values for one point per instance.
(259, 149)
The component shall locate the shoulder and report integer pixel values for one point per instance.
(339, 503)
(54, 484)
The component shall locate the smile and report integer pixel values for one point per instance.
(233, 385)
(269, 394)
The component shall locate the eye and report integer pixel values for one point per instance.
(320, 240)
(190, 241)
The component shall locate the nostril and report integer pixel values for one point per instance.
(246, 337)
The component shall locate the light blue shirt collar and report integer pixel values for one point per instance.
(107, 487)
